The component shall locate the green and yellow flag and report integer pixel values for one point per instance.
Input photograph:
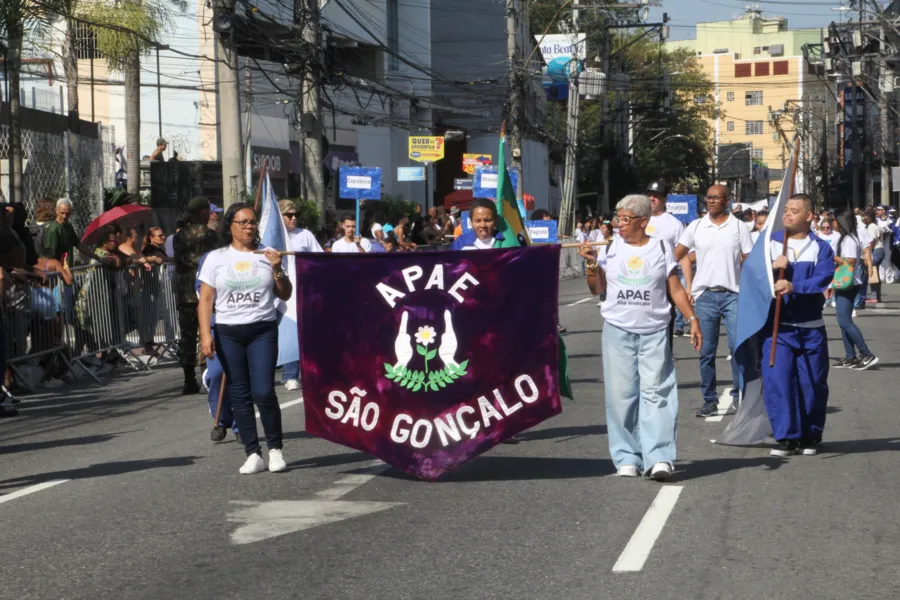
(510, 221)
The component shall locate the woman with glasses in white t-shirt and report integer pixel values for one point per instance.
(638, 274)
(244, 287)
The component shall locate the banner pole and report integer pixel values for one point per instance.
(262, 171)
(358, 222)
(572, 245)
(784, 248)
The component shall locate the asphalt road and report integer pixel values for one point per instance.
(123, 496)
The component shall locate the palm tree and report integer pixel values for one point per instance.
(125, 30)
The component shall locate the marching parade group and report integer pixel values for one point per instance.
(656, 279)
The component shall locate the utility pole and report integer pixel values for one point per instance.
(229, 113)
(515, 90)
(604, 116)
(885, 87)
(311, 121)
(567, 210)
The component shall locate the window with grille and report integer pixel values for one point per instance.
(85, 42)
(756, 154)
(762, 69)
(742, 70)
(731, 96)
(753, 128)
(753, 98)
(730, 125)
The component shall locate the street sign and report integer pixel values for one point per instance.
(542, 231)
(410, 173)
(463, 184)
(473, 161)
(426, 148)
(485, 185)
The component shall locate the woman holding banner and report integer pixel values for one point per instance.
(244, 287)
(638, 275)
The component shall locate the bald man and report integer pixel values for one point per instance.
(721, 243)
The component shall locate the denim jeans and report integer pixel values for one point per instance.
(290, 371)
(214, 374)
(679, 318)
(641, 397)
(877, 259)
(850, 333)
(712, 308)
(248, 354)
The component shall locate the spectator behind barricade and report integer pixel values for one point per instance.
(246, 339)
(456, 220)
(431, 233)
(541, 214)
(390, 242)
(181, 222)
(159, 153)
(153, 246)
(638, 369)
(299, 240)
(130, 247)
(44, 214)
(12, 256)
(159, 301)
(190, 244)
(60, 237)
(401, 230)
(350, 242)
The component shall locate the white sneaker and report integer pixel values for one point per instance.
(661, 471)
(809, 451)
(254, 464)
(600, 304)
(292, 385)
(854, 313)
(628, 471)
(276, 461)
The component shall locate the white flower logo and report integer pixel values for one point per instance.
(425, 336)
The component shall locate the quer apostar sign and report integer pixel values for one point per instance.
(431, 358)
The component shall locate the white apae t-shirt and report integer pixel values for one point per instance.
(342, 246)
(636, 298)
(244, 286)
(665, 227)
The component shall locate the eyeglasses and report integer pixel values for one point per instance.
(717, 197)
(289, 215)
(625, 219)
(247, 224)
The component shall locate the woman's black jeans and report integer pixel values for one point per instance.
(248, 354)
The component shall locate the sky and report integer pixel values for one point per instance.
(684, 14)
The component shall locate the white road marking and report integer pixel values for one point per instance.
(288, 404)
(347, 484)
(31, 489)
(582, 301)
(641, 543)
(263, 520)
(725, 401)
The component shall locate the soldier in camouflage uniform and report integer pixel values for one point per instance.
(190, 244)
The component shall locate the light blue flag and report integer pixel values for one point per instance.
(273, 234)
(751, 423)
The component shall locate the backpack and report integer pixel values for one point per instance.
(37, 237)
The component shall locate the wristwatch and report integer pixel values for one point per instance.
(690, 320)
(279, 274)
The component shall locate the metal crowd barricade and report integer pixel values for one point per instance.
(106, 310)
(571, 264)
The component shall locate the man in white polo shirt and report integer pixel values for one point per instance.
(721, 242)
(665, 226)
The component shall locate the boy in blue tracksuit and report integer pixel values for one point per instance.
(212, 379)
(796, 387)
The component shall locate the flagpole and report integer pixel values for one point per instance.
(571, 245)
(784, 248)
(262, 171)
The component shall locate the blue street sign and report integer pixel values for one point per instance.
(410, 173)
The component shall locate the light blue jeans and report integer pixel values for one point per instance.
(641, 397)
(712, 308)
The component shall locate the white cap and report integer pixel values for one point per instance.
(376, 227)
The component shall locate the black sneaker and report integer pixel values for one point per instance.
(785, 448)
(217, 434)
(562, 329)
(846, 363)
(237, 438)
(865, 362)
(678, 333)
(8, 411)
(808, 447)
(710, 409)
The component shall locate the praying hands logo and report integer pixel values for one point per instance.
(428, 379)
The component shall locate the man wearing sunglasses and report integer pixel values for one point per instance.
(721, 243)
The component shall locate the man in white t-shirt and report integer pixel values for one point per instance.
(721, 243)
(350, 243)
(664, 225)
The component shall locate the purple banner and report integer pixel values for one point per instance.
(427, 359)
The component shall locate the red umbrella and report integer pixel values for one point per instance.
(130, 215)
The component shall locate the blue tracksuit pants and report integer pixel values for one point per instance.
(796, 388)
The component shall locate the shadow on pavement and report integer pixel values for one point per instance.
(841, 448)
(518, 468)
(716, 466)
(331, 460)
(573, 356)
(561, 434)
(77, 441)
(101, 470)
